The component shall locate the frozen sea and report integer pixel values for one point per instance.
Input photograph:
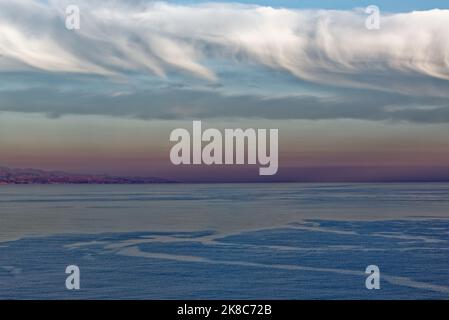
(225, 241)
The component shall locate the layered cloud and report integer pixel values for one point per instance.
(179, 103)
(155, 60)
(407, 53)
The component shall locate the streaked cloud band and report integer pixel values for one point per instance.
(322, 46)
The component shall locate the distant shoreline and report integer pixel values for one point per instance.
(29, 176)
(15, 176)
(230, 182)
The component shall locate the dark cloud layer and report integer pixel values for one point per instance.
(185, 104)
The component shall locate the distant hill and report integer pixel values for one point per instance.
(34, 176)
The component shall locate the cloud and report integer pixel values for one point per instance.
(179, 103)
(409, 54)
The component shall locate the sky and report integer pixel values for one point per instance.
(350, 103)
